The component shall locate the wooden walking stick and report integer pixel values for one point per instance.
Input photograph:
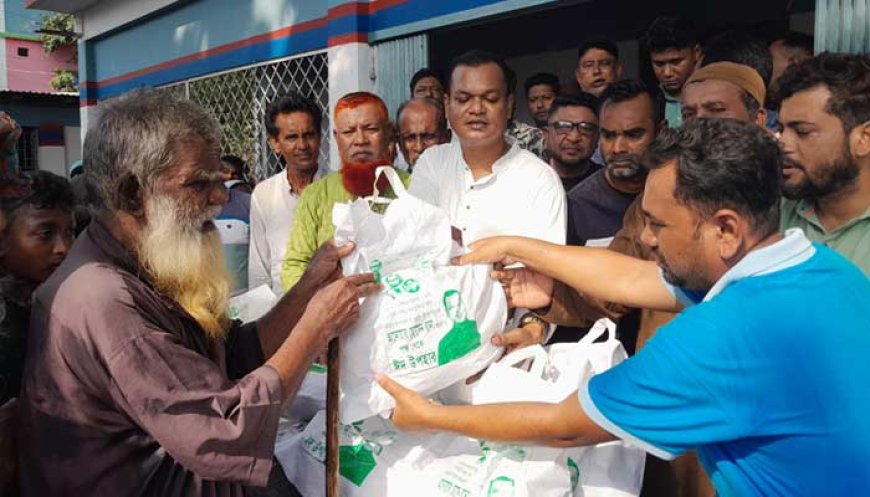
(332, 462)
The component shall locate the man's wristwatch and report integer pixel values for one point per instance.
(531, 318)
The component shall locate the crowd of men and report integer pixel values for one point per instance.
(722, 217)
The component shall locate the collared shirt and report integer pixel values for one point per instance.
(852, 240)
(523, 196)
(673, 109)
(766, 377)
(123, 393)
(273, 207)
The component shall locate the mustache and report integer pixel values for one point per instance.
(793, 164)
(633, 159)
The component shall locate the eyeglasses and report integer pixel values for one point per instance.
(563, 128)
(426, 138)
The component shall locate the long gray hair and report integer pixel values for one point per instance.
(135, 138)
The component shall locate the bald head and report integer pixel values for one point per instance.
(421, 123)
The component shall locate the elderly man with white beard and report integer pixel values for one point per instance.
(136, 382)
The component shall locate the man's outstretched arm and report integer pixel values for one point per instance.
(597, 272)
(551, 424)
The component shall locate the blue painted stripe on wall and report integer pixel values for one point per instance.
(393, 16)
(307, 41)
(417, 10)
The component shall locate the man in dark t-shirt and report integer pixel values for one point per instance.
(629, 120)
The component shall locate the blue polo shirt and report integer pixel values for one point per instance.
(767, 377)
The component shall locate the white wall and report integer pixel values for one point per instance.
(105, 16)
(73, 141)
(52, 159)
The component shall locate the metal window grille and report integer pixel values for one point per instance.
(28, 149)
(238, 99)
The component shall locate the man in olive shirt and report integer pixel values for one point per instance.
(825, 134)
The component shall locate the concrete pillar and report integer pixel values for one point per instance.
(350, 56)
(87, 81)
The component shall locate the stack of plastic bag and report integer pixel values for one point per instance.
(429, 329)
(377, 459)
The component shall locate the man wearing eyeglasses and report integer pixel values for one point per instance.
(630, 119)
(422, 123)
(572, 137)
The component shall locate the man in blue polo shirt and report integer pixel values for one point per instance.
(764, 373)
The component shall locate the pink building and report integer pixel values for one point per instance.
(29, 68)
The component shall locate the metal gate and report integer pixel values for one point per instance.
(843, 26)
(398, 60)
(238, 99)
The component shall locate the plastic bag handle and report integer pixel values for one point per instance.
(602, 326)
(536, 353)
(394, 180)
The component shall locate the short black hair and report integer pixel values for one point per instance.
(440, 114)
(423, 73)
(599, 43)
(542, 78)
(795, 39)
(581, 99)
(292, 102)
(846, 76)
(628, 89)
(723, 164)
(477, 58)
(741, 48)
(45, 191)
(667, 32)
(237, 163)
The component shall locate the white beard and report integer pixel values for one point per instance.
(186, 262)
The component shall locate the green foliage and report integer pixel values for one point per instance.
(63, 35)
(64, 80)
(61, 23)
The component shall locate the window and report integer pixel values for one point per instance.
(23, 51)
(28, 149)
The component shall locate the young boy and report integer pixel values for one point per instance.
(37, 235)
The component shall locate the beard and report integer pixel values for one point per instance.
(826, 180)
(183, 256)
(629, 167)
(359, 179)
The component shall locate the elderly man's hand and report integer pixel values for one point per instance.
(524, 287)
(335, 307)
(325, 266)
(411, 409)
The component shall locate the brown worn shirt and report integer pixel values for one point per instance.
(571, 308)
(123, 395)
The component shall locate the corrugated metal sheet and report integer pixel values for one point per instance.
(396, 61)
(842, 26)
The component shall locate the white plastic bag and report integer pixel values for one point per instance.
(253, 304)
(477, 468)
(431, 325)
(610, 469)
(375, 459)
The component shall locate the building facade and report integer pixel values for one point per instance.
(236, 56)
(50, 120)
